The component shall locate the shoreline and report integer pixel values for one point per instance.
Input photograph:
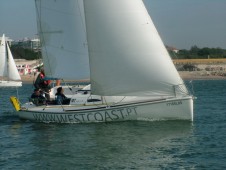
(185, 75)
(199, 75)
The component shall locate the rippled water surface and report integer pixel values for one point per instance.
(122, 145)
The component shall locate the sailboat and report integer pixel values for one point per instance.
(9, 74)
(116, 45)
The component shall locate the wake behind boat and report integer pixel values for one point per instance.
(116, 45)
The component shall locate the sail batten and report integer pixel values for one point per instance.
(127, 55)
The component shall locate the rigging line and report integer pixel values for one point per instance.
(191, 89)
(193, 92)
(182, 90)
(119, 101)
(179, 88)
(70, 51)
(80, 13)
(17, 94)
(97, 105)
(62, 106)
(59, 11)
(105, 100)
(41, 33)
(113, 103)
(68, 86)
(186, 90)
(44, 107)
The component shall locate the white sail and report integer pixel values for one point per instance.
(3, 59)
(13, 73)
(127, 55)
(62, 32)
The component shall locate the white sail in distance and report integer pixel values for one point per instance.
(3, 59)
(13, 73)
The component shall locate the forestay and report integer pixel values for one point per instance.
(61, 28)
(127, 55)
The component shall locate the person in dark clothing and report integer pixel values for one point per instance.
(42, 84)
(60, 97)
(37, 98)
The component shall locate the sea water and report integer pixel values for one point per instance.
(123, 145)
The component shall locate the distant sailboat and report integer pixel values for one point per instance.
(9, 74)
(132, 75)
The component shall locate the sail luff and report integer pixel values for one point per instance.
(127, 55)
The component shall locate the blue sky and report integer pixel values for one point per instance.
(180, 23)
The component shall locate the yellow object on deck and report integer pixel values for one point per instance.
(15, 102)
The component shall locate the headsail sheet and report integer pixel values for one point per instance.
(127, 55)
(62, 31)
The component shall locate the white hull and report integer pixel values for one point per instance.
(165, 109)
(10, 83)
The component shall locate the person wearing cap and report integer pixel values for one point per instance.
(44, 85)
(37, 98)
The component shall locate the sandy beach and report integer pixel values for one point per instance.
(185, 75)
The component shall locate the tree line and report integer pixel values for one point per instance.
(24, 53)
(193, 53)
(199, 53)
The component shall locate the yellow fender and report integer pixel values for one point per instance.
(15, 102)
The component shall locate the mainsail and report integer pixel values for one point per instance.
(62, 32)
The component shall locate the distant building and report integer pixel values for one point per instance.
(25, 67)
(173, 49)
(33, 44)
